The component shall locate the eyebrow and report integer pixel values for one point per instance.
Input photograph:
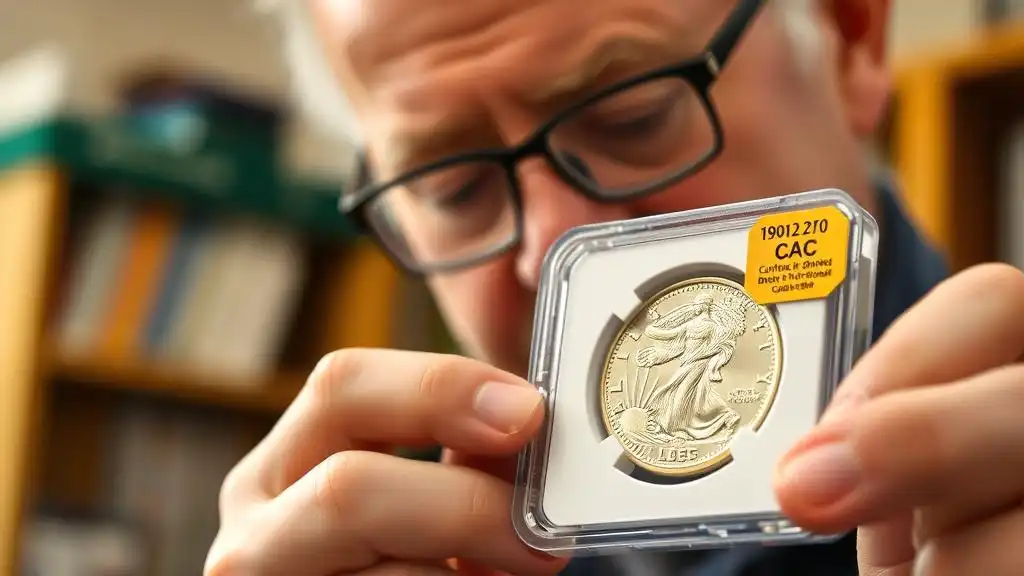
(407, 149)
(410, 149)
(614, 55)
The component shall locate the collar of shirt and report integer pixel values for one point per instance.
(908, 266)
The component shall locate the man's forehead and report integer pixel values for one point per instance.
(376, 32)
(384, 29)
(562, 46)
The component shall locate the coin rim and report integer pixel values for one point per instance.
(726, 455)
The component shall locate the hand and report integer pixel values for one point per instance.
(320, 496)
(923, 447)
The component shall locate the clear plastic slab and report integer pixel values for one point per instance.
(680, 356)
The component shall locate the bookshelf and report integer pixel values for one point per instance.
(112, 422)
(268, 395)
(953, 116)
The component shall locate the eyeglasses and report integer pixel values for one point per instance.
(628, 140)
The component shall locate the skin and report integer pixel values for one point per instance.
(321, 496)
(796, 116)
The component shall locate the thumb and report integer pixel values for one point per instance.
(886, 548)
(885, 541)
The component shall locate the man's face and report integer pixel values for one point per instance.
(487, 73)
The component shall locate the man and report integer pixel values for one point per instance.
(921, 454)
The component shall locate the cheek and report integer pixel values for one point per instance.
(489, 312)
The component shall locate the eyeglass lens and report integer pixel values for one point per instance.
(452, 214)
(636, 138)
(614, 146)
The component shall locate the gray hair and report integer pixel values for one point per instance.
(320, 98)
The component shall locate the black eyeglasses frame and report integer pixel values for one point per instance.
(700, 71)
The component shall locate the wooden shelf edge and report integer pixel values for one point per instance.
(270, 395)
(992, 49)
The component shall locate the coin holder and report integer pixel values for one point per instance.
(805, 264)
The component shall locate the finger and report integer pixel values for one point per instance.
(961, 443)
(240, 561)
(967, 324)
(359, 398)
(470, 568)
(358, 508)
(955, 513)
(407, 569)
(928, 345)
(875, 551)
(502, 467)
(991, 548)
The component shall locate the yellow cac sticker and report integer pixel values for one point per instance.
(797, 255)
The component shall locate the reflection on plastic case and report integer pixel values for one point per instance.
(680, 356)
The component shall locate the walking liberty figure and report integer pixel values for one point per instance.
(701, 338)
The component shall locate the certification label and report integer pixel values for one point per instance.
(797, 255)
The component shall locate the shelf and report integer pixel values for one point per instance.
(270, 395)
(993, 49)
(107, 152)
(951, 112)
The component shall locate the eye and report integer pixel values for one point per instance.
(450, 187)
(633, 115)
(477, 183)
(462, 193)
(634, 127)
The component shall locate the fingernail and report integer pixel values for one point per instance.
(823, 474)
(506, 407)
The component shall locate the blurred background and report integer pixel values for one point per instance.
(172, 264)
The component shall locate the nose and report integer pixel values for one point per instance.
(550, 208)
